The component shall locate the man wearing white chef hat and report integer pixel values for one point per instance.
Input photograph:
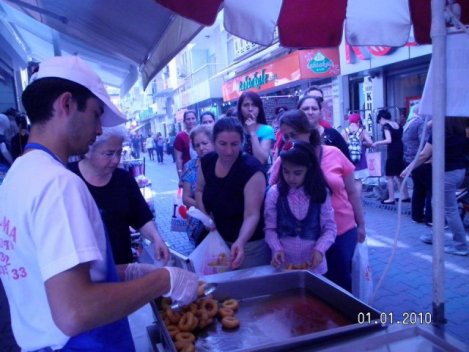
(62, 286)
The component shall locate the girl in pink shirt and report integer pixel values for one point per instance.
(299, 219)
(345, 198)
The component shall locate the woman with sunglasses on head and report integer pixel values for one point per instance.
(259, 135)
(346, 202)
(118, 196)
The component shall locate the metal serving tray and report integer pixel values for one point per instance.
(281, 311)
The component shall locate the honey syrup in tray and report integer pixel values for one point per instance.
(273, 318)
(296, 312)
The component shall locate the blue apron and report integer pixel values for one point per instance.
(113, 337)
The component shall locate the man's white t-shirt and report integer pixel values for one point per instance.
(49, 223)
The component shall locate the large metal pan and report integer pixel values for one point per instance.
(282, 311)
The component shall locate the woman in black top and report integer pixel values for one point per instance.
(392, 137)
(118, 196)
(312, 107)
(230, 188)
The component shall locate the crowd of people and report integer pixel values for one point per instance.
(289, 196)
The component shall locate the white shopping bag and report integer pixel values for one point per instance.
(196, 213)
(362, 279)
(179, 218)
(211, 256)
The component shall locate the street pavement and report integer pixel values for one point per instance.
(407, 287)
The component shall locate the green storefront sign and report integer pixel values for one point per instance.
(320, 63)
(256, 81)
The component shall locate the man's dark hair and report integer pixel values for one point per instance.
(38, 97)
(315, 88)
(256, 99)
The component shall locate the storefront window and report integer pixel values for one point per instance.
(404, 90)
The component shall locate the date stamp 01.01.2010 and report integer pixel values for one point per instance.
(390, 318)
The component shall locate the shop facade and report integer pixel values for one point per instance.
(375, 78)
(282, 81)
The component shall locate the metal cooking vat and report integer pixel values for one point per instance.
(281, 311)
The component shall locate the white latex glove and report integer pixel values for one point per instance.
(137, 270)
(184, 285)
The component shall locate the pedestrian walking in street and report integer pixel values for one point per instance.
(160, 147)
(64, 290)
(346, 201)
(357, 139)
(299, 220)
(230, 188)
(170, 146)
(392, 138)
(456, 152)
(135, 143)
(413, 131)
(150, 146)
(182, 144)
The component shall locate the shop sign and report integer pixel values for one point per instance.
(256, 80)
(368, 94)
(320, 63)
(299, 65)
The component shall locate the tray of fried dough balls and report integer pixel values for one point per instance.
(206, 315)
(278, 311)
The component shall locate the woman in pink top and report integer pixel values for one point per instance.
(346, 202)
(299, 220)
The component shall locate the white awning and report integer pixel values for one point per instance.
(118, 38)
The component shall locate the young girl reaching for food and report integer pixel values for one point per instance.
(299, 220)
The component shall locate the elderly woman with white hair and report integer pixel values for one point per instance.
(118, 196)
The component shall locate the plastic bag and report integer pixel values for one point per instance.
(179, 218)
(373, 160)
(362, 279)
(196, 213)
(212, 255)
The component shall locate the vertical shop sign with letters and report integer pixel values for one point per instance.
(368, 94)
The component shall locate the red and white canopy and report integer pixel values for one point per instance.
(317, 23)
